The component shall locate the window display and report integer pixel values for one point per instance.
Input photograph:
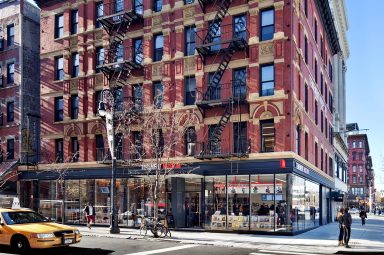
(238, 202)
(215, 203)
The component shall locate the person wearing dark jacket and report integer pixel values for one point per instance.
(341, 228)
(363, 216)
(347, 222)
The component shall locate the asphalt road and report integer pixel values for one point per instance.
(106, 246)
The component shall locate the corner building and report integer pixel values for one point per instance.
(258, 77)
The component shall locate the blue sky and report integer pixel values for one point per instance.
(365, 76)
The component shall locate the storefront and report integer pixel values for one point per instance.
(281, 196)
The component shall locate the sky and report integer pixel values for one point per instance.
(365, 76)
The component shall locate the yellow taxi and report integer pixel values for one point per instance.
(23, 229)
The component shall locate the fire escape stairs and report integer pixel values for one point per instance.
(215, 138)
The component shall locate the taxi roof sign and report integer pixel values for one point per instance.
(16, 203)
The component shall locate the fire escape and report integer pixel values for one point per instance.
(223, 42)
(118, 61)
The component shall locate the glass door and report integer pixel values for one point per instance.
(192, 209)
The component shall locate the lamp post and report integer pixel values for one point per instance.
(107, 110)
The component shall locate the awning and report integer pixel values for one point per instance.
(6, 167)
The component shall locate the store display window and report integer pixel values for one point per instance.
(215, 211)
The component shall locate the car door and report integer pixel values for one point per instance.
(2, 231)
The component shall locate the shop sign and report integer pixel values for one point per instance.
(170, 165)
(302, 168)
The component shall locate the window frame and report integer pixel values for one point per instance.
(100, 57)
(58, 112)
(137, 100)
(240, 32)
(74, 21)
(264, 27)
(98, 14)
(11, 73)
(262, 82)
(137, 53)
(59, 150)
(11, 148)
(75, 149)
(157, 55)
(189, 45)
(59, 74)
(189, 96)
(10, 111)
(157, 99)
(74, 107)
(10, 35)
(157, 5)
(75, 61)
(264, 124)
(59, 30)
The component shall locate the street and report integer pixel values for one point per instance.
(323, 240)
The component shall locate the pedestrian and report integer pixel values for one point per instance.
(347, 222)
(363, 216)
(341, 228)
(90, 213)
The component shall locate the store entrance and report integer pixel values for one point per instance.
(192, 209)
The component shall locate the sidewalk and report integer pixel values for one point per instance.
(323, 240)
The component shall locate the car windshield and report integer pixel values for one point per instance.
(12, 218)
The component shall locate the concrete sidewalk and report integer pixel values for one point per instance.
(322, 240)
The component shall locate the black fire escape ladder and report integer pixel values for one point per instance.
(215, 138)
(216, 22)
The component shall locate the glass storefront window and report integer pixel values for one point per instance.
(238, 202)
(312, 210)
(262, 202)
(193, 202)
(282, 204)
(215, 211)
(72, 201)
(51, 200)
(103, 201)
(298, 203)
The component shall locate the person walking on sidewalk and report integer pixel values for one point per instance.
(90, 213)
(341, 228)
(363, 216)
(347, 223)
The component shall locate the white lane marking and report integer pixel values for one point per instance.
(163, 250)
(285, 252)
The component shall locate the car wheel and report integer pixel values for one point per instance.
(20, 244)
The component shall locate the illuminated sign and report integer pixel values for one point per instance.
(301, 168)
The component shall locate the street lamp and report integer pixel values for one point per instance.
(107, 110)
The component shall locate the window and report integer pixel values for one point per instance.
(138, 50)
(316, 155)
(75, 149)
(330, 70)
(119, 54)
(316, 30)
(11, 35)
(119, 7)
(267, 80)
(158, 91)
(360, 156)
(74, 106)
(316, 114)
(239, 83)
(59, 65)
(137, 92)
(326, 127)
(190, 141)
(267, 135)
(326, 93)
(321, 83)
(330, 102)
(97, 101)
(11, 73)
(240, 137)
(306, 49)
(330, 134)
(10, 111)
(1, 40)
(306, 8)
(190, 90)
(297, 135)
(354, 179)
(306, 145)
(316, 71)
(322, 47)
(267, 24)
(215, 36)
(59, 26)
(360, 144)
(214, 88)
(75, 64)
(59, 149)
(360, 168)
(354, 168)
(74, 21)
(158, 48)
(138, 5)
(322, 121)
(190, 40)
(354, 144)
(10, 149)
(361, 179)
(100, 151)
(99, 58)
(158, 142)
(189, 1)
(59, 109)
(321, 158)
(138, 149)
(354, 155)
(240, 27)
(157, 5)
(119, 98)
(99, 13)
(214, 144)
(306, 97)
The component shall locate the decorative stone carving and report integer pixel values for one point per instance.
(266, 49)
(190, 64)
(74, 84)
(157, 69)
(99, 35)
(189, 13)
(157, 20)
(99, 79)
(73, 41)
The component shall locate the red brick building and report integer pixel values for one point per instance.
(257, 75)
(19, 94)
(360, 173)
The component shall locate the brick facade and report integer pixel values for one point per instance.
(286, 107)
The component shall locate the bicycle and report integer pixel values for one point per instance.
(157, 228)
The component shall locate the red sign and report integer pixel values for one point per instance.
(170, 165)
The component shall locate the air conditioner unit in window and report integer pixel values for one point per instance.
(191, 149)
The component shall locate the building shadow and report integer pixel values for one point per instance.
(60, 250)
